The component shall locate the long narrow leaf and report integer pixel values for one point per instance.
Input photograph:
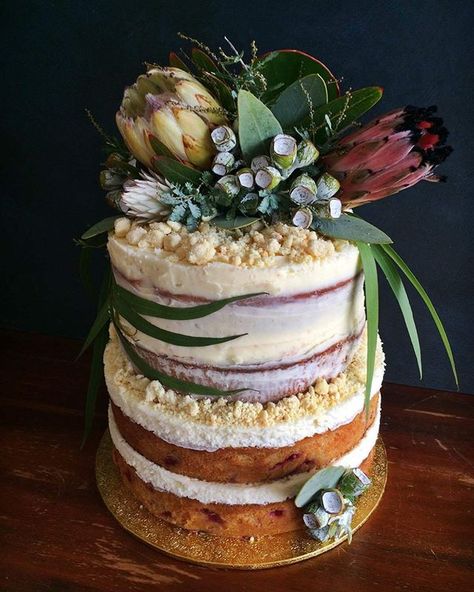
(393, 278)
(85, 270)
(141, 324)
(153, 309)
(100, 227)
(95, 380)
(372, 308)
(168, 381)
(429, 305)
(100, 320)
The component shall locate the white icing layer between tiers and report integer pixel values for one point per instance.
(183, 431)
(232, 493)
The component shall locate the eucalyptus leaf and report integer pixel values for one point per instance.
(234, 222)
(257, 125)
(372, 310)
(101, 227)
(350, 228)
(324, 479)
(141, 324)
(167, 381)
(344, 111)
(429, 305)
(282, 68)
(294, 104)
(181, 313)
(176, 172)
(393, 278)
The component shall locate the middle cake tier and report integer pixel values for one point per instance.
(306, 326)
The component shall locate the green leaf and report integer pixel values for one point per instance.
(176, 172)
(234, 223)
(96, 377)
(100, 320)
(101, 227)
(85, 270)
(372, 309)
(152, 309)
(96, 373)
(203, 61)
(159, 148)
(222, 90)
(350, 228)
(176, 62)
(168, 381)
(393, 278)
(293, 104)
(141, 324)
(344, 111)
(324, 479)
(282, 68)
(257, 125)
(429, 305)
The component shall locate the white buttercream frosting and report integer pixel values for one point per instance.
(232, 493)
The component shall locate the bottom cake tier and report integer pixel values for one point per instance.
(230, 468)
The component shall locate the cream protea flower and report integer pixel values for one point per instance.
(170, 105)
(141, 197)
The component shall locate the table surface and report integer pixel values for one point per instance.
(57, 536)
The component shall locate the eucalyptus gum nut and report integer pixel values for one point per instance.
(307, 153)
(268, 178)
(327, 186)
(283, 151)
(354, 483)
(229, 185)
(223, 138)
(320, 534)
(259, 162)
(303, 190)
(303, 218)
(335, 207)
(246, 178)
(223, 163)
(332, 501)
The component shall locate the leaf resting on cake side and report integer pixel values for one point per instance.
(177, 313)
(138, 322)
(180, 386)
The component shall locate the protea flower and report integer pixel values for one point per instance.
(141, 197)
(172, 106)
(389, 154)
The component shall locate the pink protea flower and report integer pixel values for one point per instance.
(389, 154)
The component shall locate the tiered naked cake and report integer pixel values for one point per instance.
(232, 465)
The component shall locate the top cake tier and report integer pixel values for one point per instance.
(306, 326)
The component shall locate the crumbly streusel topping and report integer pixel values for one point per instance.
(316, 401)
(254, 246)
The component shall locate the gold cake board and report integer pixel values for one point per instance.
(230, 553)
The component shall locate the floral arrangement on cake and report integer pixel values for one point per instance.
(219, 139)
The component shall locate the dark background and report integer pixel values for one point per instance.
(61, 57)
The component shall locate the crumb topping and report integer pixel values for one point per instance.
(316, 401)
(253, 246)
